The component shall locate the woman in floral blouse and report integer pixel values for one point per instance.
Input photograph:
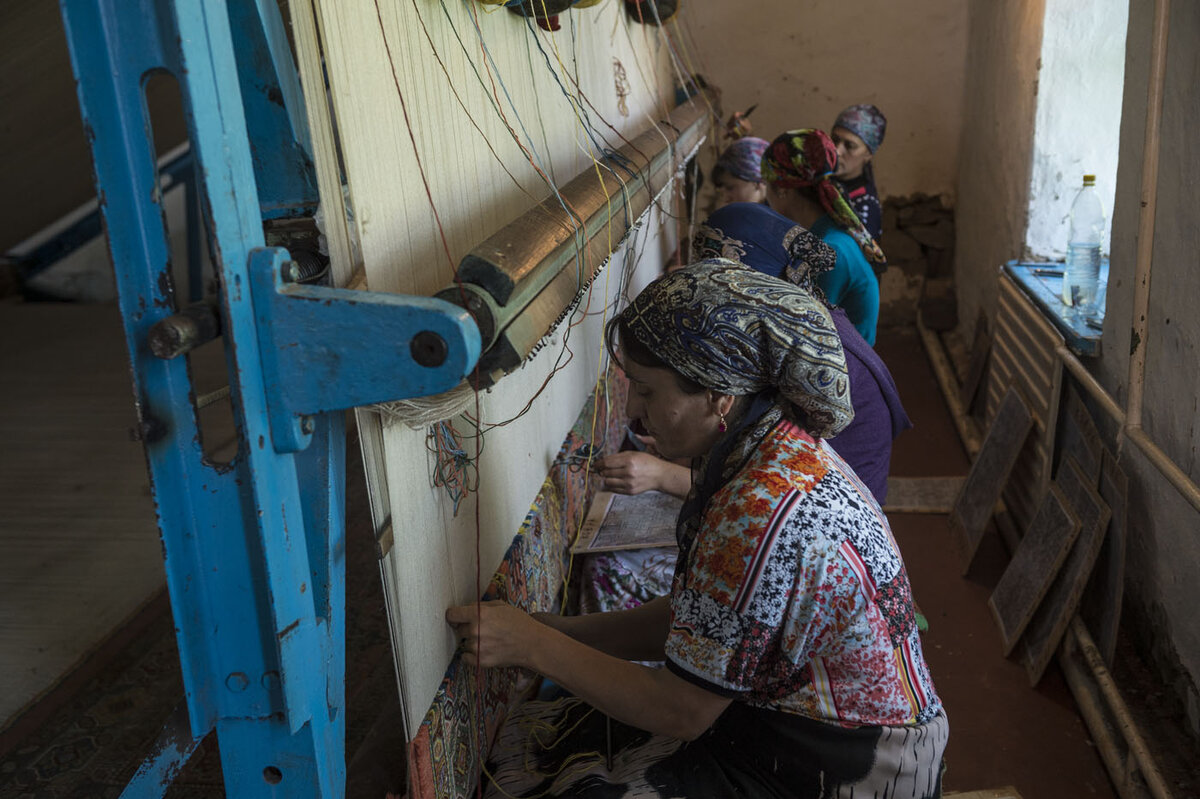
(793, 663)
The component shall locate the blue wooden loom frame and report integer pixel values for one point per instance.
(254, 549)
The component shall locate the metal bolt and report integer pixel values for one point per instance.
(429, 349)
(185, 331)
(237, 682)
(291, 271)
(270, 680)
(307, 425)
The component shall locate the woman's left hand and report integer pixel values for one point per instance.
(495, 634)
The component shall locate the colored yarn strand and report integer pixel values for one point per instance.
(489, 63)
(453, 468)
(412, 138)
(533, 158)
(433, 49)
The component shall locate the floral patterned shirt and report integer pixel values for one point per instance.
(793, 596)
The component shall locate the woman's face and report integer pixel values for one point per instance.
(736, 190)
(853, 154)
(683, 425)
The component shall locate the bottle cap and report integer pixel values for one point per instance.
(1089, 180)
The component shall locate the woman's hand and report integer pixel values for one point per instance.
(635, 472)
(631, 472)
(495, 634)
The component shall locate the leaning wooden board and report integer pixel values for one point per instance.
(981, 490)
(1034, 565)
(1101, 604)
(1049, 623)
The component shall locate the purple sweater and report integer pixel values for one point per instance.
(866, 444)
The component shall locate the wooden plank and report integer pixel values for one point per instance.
(977, 363)
(1049, 623)
(1102, 599)
(1023, 355)
(981, 490)
(922, 494)
(621, 521)
(1033, 567)
(1080, 438)
(1028, 481)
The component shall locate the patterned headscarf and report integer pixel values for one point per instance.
(733, 329)
(806, 158)
(766, 240)
(743, 158)
(866, 122)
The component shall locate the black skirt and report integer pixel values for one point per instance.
(566, 748)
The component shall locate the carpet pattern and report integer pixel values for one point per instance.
(470, 706)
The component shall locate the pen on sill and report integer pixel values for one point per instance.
(1048, 272)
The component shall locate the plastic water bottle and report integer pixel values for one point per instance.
(1081, 278)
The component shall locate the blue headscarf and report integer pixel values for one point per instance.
(743, 158)
(866, 122)
(766, 240)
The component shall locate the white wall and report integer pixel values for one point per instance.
(804, 62)
(1163, 554)
(1077, 127)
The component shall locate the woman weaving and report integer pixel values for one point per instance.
(762, 239)
(798, 169)
(793, 665)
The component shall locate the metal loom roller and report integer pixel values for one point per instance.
(521, 282)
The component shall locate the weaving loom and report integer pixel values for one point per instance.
(430, 147)
(526, 176)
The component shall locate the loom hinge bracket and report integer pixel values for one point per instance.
(326, 349)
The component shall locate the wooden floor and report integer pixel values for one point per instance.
(77, 529)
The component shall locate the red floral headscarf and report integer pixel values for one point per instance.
(807, 158)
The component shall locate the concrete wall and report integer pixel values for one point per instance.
(1078, 116)
(1164, 539)
(803, 63)
(1004, 42)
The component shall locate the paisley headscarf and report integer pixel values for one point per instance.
(766, 240)
(743, 158)
(866, 122)
(759, 238)
(733, 329)
(806, 158)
